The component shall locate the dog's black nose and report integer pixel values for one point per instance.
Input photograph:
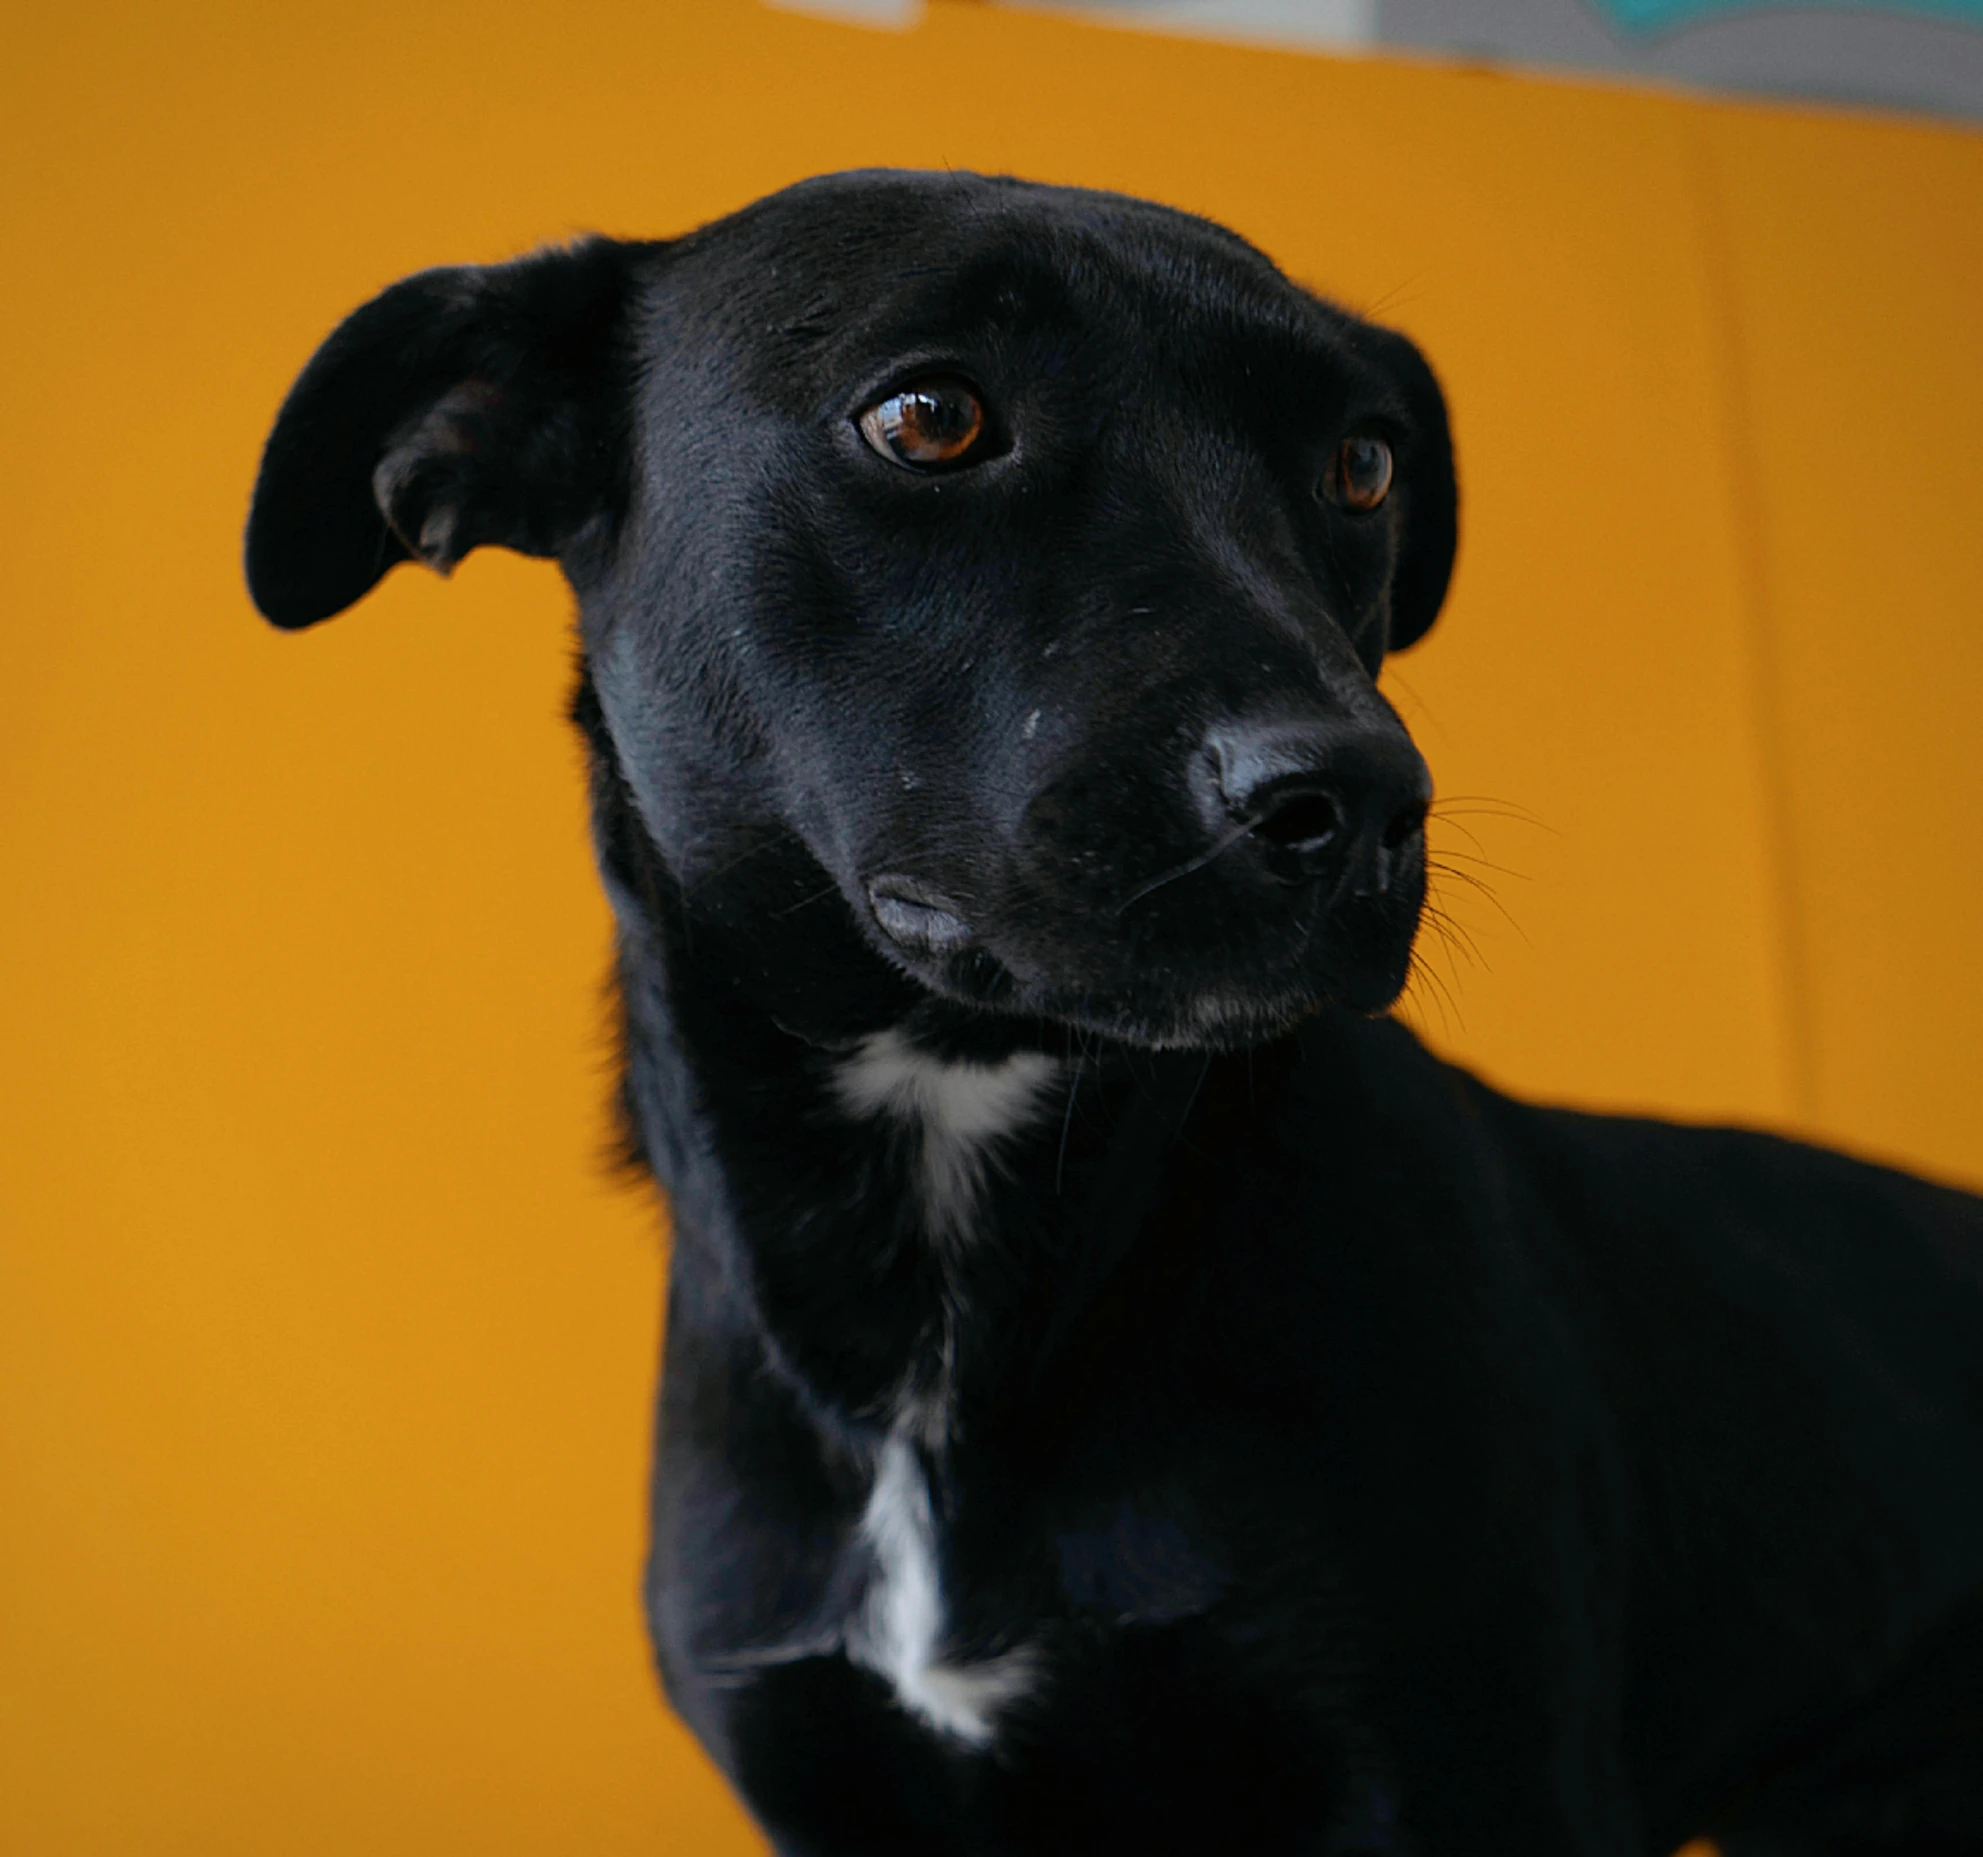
(1317, 797)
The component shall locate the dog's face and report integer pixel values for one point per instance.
(981, 582)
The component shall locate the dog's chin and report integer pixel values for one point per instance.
(1160, 1011)
(1231, 1016)
(1217, 1020)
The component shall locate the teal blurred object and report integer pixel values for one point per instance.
(1652, 16)
(1919, 56)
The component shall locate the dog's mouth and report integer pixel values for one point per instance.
(1215, 971)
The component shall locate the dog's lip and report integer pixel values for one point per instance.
(916, 916)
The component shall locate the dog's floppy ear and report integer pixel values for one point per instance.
(483, 404)
(1431, 495)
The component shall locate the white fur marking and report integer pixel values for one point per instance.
(956, 1111)
(959, 1109)
(900, 1630)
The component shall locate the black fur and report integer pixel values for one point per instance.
(1359, 1460)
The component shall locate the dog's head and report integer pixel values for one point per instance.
(981, 585)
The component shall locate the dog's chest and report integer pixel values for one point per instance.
(952, 1640)
(951, 1583)
(975, 1607)
(947, 1121)
(902, 1629)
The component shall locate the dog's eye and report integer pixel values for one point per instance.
(1360, 477)
(931, 424)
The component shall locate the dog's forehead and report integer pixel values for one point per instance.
(854, 270)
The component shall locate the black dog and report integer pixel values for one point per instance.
(1122, 1394)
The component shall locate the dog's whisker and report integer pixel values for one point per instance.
(1191, 1101)
(767, 839)
(806, 902)
(1440, 993)
(1198, 863)
(1454, 937)
(1458, 942)
(1487, 806)
(1419, 996)
(1486, 863)
(1067, 1122)
(1448, 820)
(1484, 888)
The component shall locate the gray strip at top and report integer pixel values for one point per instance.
(1868, 54)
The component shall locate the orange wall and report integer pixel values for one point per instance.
(325, 1344)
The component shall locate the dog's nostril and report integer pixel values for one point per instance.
(1404, 826)
(1305, 820)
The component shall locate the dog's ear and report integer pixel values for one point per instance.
(1430, 492)
(484, 404)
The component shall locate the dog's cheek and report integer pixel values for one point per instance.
(1357, 570)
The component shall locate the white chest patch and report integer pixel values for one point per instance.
(956, 1114)
(958, 1110)
(900, 1631)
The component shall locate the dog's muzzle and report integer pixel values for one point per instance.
(1278, 865)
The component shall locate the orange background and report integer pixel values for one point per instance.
(325, 1341)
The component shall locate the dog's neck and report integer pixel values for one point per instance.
(911, 1212)
(916, 1210)
(939, 1230)
(910, 1229)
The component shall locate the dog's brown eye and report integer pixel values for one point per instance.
(1362, 475)
(932, 423)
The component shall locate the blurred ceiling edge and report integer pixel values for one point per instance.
(1924, 57)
